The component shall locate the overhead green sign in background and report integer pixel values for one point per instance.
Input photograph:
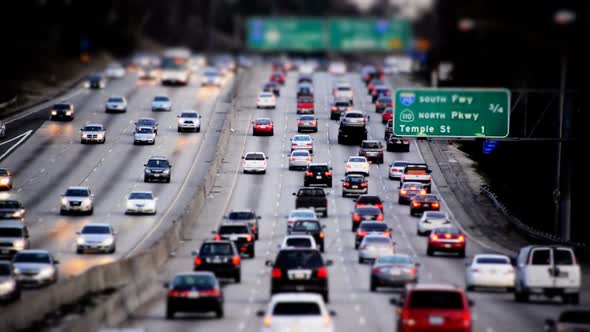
(331, 34)
(452, 112)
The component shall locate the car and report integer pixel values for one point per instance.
(9, 286)
(35, 267)
(277, 77)
(369, 200)
(397, 144)
(312, 198)
(95, 81)
(446, 239)
(318, 174)
(144, 135)
(375, 246)
(550, 270)
(382, 103)
(571, 320)
(305, 104)
(93, 133)
(306, 311)
(299, 214)
(302, 142)
(189, 120)
(263, 126)
(266, 100)
(421, 203)
(363, 213)
(148, 72)
(417, 172)
(354, 119)
(116, 104)
(378, 92)
(337, 68)
(62, 111)
(409, 190)
(307, 123)
(254, 162)
(211, 77)
(248, 216)
(96, 237)
(351, 132)
(14, 237)
(273, 87)
(77, 199)
(374, 82)
(366, 73)
(354, 184)
(304, 90)
(305, 78)
(5, 179)
(12, 209)
(372, 150)
(396, 271)
(357, 165)
(298, 241)
(339, 107)
(299, 159)
(161, 103)
(220, 257)
(115, 70)
(432, 220)
(387, 115)
(141, 202)
(157, 168)
(486, 270)
(370, 227)
(310, 227)
(147, 122)
(343, 90)
(396, 169)
(240, 234)
(299, 270)
(433, 307)
(194, 292)
(388, 130)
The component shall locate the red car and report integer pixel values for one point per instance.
(433, 308)
(262, 126)
(305, 105)
(446, 239)
(387, 115)
(277, 78)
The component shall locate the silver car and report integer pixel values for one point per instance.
(93, 133)
(189, 120)
(302, 142)
(35, 268)
(300, 214)
(396, 169)
(147, 122)
(375, 246)
(432, 220)
(96, 238)
(161, 103)
(393, 271)
(77, 199)
(116, 104)
(14, 237)
(299, 159)
(354, 118)
(144, 135)
(307, 123)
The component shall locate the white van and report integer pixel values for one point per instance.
(550, 270)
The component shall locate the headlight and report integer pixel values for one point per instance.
(18, 214)
(4, 181)
(53, 112)
(108, 242)
(147, 170)
(166, 171)
(64, 201)
(179, 121)
(7, 286)
(80, 241)
(16, 270)
(84, 135)
(86, 84)
(19, 244)
(87, 201)
(69, 113)
(46, 272)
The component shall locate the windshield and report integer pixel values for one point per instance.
(319, 168)
(216, 249)
(92, 128)
(373, 226)
(255, 156)
(436, 215)
(308, 226)
(369, 199)
(189, 115)
(374, 240)
(11, 232)
(371, 145)
(435, 299)
(262, 121)
(302, 214)
(355, 179)
(289, 259)
(357, 160)
(241, 215)
(301, 139)
(141, 196)
(343, 88)
(157, 163)
(355, 115)
(493, 260)
(194, 281)
(300, 154)
(211, 72)
(448, 230)
(394, 260)
(399, 164)
(298, 242)
(266, 95)
(161, 99)
(3, 172)
(307, 118)
(61, 107)
(9, 204)
(77, 193)
(115, 100)
(29, 257)
(296, 309)
(341, 104)
(96, 230)
(238, 229)
(426, 198)
(146, 122)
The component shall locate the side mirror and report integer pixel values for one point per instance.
(170, 166)
(166, 285)
(331, 168)
(178, 116)
(390, 229)
(354, 200)
(266, 157)
(145, 165)
(467, 264)
(323, 226)
(242, 157)
(194, 253)
(470, 302)
(333, 313)
(200, 116)
(56, 262)
(81, 130)
(268, 263)
(260, 313)
(329, 262)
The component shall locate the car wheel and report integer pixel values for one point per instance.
(361, 260)
(79, 251)
(179, 129)
(343, 194)
(251, 252)
(419, 233)
(373, 287)
(146, 179)
(305, 184)
(330, 185)
(356, 245)
(219, 312)
(322, 248)
(325, 214)
(113, 250)
(91, 211)
(264, 172)
(272, 133)
(254, 133)
(168, 180)
(238, 277)
(198, 129)
(429, 251)
(169, 313)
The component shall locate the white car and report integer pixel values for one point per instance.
(161, 103)
(489, 271)
(357, 165)
(115, 70)
(144, 135)
(298, 241)
(35, 267)
(77, 199)
(189, 120)
(94, 133)
(302, 142)
(432, 220)
(211, 77)
(266, 100)
(337, 68)
(375, 246)
(141, 202)
(116, 104)
(299, 159)
(96, 238)
(254, 162)
(300, 214)
(396, 169)
(343, 91)
(297, 312)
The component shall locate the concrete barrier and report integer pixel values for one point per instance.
(135, 276)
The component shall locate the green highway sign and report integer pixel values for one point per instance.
(272, 34)
(346, 34)
(452, 112)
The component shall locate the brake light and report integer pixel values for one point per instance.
(379, 205)
(413, 271)
(466, 318)
(364, 184)
(253, 228)
(266, 321)
(328, 173)
(356, 217)
(210, 292)
(416, 204)
(321, 235)
(448, 236)
(422, 192)
(378, 103)
(434, 237)
(235, 260)
(345, 184)
(249, 238)
(322, 272)
(387, 233)
(403, 191)
(388, 93)
(360, 204)
(362, 152)
(406, 320)
(292, 158)
(308, 144)
(348, 166)
(376, 270)
(375, 93)
(299, 123)
(380, 217)
(435, 205)
(217, 237)
(380, 152)
(461, 238)
(404, 178)
(406, 141)
(177, 293)
(334, 108)
(309, 173)
(276, 273)
(362, 233)
(308, 158)
(394, 170)
(198, 261)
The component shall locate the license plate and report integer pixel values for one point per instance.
(563, 274)
(426, 205)
(447, 245)
(217, 260)
(156, 175)
(193, 294)
(318, 177)
(355, 187)
(398, 141)
(395, 272)
(435, 320)
(233, 237)
(299, 276)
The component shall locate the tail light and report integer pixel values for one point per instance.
(177, 293)
(461, 238)
(235, 260)
(257, 100)
(309, 173)
(435, 205)
(294, 145)
(466, 318)
(404, 178)
(328, 173)
(308, 144)
(416, 204)
(380, 152)
(413, 271)
(348, 166)
(422, 192)
(380, 217)
(434, 237)
(362, 233)
(266, 321)
(321, 235)
(364, 121)
(314, 122)
(364, 184)
(299, 123)
(198, 261)
(210, 292)
(276, 273)
(249, 238)
(308, 159)
(360, 204)
(379, 205)
(376, 270)
(387, 233)
(406, 318)
(217, 237)
(253, 228)
(292, 158)
(243, 249)
(345, 184)
(388, 93)
(334, 108)
(322, 272)
(362, 152)
(378, 103)
(394, 170)
(374, 93)
(403, 192)
(356, 217)
(370, 86)
(406, 141)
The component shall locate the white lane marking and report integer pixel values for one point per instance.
(22, 137)
(241, 326)
(362, 320)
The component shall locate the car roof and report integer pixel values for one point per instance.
(490, 256)
(371, 141)
(427, 286)
(216, 242)
(249, 152)
(194, 273)
(152, 119)
(241, 210)
(99, 224)
(234, 223)
(11, 224)
(34, 251)
(296, 297)
(142, 192)
(93, 124)
(189, 111)
(318, 164)
(257, 119)
(158, 157)
(354, 112)
(78, 188)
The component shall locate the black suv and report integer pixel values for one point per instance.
(62, 111)
(318, 174)
(309, 227)
(372, 150)
(299, 270)
(157, 169)
(398, 144)
(388, 130)
(339, 106)
(247, 216)
(382, 103)
(220, 257)
(239, 234)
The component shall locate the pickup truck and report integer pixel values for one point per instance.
(312, 198)
(415, 172)
(305, 105)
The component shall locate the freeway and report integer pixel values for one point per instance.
(52, 159)
(269, 195)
